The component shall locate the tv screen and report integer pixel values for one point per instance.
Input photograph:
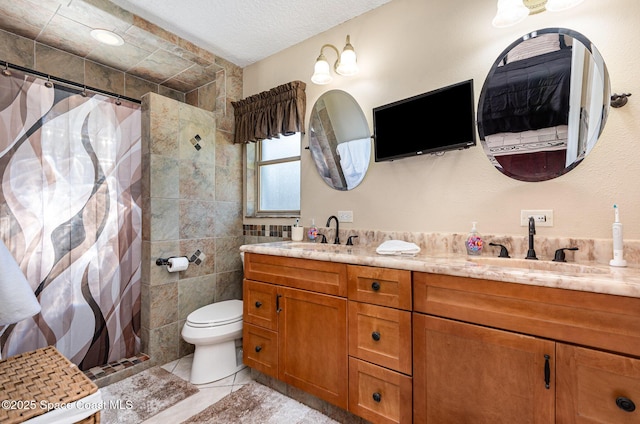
(436, 121)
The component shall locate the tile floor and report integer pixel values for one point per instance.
(209, 393)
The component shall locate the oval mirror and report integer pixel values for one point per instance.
(543, 105)
(339, 140)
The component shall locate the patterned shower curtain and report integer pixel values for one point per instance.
(70, 197)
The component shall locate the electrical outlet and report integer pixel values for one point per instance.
(543, 218)
(345, 216)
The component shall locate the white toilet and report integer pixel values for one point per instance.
(216, 331)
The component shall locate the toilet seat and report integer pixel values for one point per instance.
(216, 314)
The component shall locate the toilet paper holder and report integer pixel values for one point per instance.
(165, 261)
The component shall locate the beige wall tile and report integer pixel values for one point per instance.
(171, 93)
(135, 87)
(103, 77)
(197, 180)
(197, 219)
(195, 293)
(16, 50)
(227, 187)
(59, 63)
(165, 177)
(228, 285)
(163, 304)
(191, 98)
(228, 254)
(164, 219)
(208, 248)
(207, 97)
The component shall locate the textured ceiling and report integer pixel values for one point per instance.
(246, 31)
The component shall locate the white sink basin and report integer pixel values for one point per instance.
(539, 265)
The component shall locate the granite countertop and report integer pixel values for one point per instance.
(589, 277)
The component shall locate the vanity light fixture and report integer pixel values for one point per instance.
(345, 65)
(512, 12)
(107, 37)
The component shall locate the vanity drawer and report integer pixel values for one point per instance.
(260, 349)
(380, 286)
(306, 274)
(597, 320)
(259, 304)
(378, 394)
(380, 335)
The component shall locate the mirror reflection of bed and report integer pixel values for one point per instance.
(543, 106)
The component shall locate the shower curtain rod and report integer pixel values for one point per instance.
(72, 84)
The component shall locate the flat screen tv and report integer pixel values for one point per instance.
(432, 122)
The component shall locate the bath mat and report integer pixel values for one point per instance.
(255, 403)
(143, 395)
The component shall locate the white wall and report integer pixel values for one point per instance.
(407, 47)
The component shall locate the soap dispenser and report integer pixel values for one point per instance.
(312, 234)
(474, 242)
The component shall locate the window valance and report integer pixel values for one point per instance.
(280, 110)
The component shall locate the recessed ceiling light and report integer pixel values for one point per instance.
(107, 37)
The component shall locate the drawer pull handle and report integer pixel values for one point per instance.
(375, 336)
(625, 404)
(377, 397)
(258, 348)
(258, 304)
(375, 286)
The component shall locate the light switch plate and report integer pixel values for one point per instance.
(345, 216)
(542, 217)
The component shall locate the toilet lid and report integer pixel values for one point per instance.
(216, 314)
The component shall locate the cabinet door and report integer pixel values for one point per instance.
(466, 373)
(596, 387)
(312, 338)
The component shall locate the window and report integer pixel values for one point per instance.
(278, 175)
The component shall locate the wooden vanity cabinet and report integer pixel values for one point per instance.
(295, 323)
(484, 351)
(393, 346)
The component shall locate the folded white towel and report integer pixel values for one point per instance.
(397, 247)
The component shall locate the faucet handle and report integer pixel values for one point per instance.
(559, 255)
(504, 253)
(323, 239)
(350, 240)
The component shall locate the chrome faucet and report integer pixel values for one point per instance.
(337, 240)
(531, 253)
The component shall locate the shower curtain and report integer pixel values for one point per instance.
(70, 197)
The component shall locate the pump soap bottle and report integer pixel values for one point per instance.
(474, 242)
(313, 231)
(618, 245)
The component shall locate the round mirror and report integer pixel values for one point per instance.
(543, 104)
(339, 140)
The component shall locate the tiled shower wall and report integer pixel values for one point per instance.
(192, 198)
(192, 195)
